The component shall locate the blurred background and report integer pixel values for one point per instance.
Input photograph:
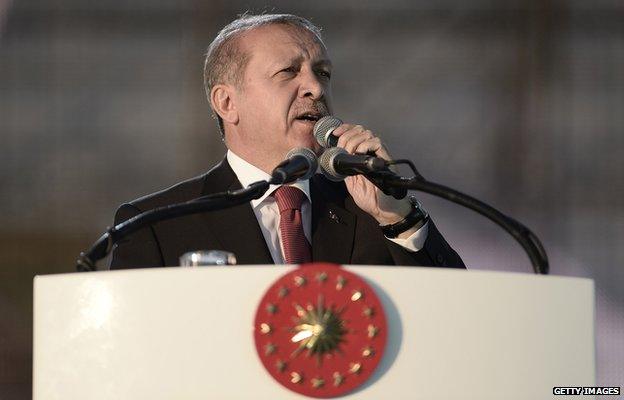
(519, 103)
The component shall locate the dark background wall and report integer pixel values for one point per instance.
(520, 103)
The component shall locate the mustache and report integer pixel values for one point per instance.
(317, 107)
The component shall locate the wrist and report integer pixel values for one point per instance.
(414, 220)
(403, 208)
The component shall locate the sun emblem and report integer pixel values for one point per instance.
(320, 330)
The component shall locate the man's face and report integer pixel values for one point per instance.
(285, 89)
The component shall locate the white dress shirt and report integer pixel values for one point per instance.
(266, 210)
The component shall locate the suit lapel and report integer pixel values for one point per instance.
(333, 227)
(236, 228)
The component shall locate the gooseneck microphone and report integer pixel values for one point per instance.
(336, 164)
(212, 202)
(300, 163)
(323, 131)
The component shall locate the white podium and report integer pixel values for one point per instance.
(186, 333)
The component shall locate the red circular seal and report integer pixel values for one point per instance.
(320, 330)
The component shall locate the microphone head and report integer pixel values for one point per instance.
(323, 129)
(326, 162)
(309, 155)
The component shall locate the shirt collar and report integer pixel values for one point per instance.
(248, 174)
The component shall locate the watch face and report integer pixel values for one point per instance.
(320, 330)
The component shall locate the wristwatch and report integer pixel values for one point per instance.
(416, 218)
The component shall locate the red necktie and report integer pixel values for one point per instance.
(296, 246)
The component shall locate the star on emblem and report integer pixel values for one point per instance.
(357, 295)
(283, 292)
(265, 328)
(269, 348)
(317, 382)
(355, 368)
(338, 378)
(296, 377)
(321, 277)
(280, 365)
(340, 282)
(372, 331)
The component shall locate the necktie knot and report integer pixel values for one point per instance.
(288, 198)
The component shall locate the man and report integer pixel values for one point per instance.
(267, 78)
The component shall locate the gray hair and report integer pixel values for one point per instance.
(226, 62)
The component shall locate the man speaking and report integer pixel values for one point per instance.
(268, 80)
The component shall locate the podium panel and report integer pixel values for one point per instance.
(187, 333)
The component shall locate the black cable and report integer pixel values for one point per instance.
(527, 239)
(87, 261)
(387, 180)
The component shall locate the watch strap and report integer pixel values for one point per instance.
(416, 218)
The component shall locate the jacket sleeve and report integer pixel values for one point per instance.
(435, 253)
(139, 249)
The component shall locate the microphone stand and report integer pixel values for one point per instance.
(212, 202)
(528, 240)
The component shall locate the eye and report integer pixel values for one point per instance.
(290, 70)
(324, 74)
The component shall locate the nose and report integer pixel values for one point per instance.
(311, 85)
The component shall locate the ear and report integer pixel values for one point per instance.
(222, 99)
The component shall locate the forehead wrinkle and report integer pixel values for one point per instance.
(293, 45)
(304, 41)
(301, 51)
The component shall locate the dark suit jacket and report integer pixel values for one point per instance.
(353, 237)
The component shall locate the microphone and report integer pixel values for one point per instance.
(337, 164)
(323, 130)
(300, 163)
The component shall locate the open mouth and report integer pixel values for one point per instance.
(312, 117)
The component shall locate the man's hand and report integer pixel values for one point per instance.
(355, 139)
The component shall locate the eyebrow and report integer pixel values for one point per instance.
(324, 62)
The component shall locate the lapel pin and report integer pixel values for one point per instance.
(333, 216)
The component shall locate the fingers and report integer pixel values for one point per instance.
(353, 137)
(356, 139)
